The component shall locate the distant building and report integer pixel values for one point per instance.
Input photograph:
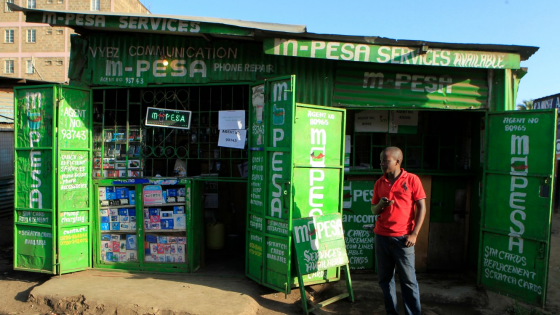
(552, 101)
(38, 51)
(35, 53)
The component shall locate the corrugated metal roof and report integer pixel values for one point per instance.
(285, 28)
(546, 97)
(524, 51)
(270, 30)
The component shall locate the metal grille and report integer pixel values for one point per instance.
(125, 147)
(6, 172)
(443, 142)
(6, 153)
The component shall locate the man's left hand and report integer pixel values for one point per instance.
(410, 240)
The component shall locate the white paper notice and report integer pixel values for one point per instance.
(372, 121)
(405, 117)
(232, 138)
(231, 119)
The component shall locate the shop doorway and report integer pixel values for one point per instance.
(445, 148)
(223, 205)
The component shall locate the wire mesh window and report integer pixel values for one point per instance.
(442, 142)
(125, 147)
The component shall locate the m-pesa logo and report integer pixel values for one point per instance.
(316, 173)
(313, 231)
(279, 100)
(318, 142)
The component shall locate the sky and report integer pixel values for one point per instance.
(504, 22)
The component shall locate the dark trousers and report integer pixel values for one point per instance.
(392, 252)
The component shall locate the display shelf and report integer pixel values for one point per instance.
(117, 207)
(117, 225)
(164, 225)
(165, 248)
(146, 206)
(118, 146)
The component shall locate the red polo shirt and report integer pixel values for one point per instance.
(398, 219)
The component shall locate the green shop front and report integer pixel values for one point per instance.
(190, 145)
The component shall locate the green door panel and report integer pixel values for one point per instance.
(295, 170)
(74, 178)
(517, 204)
(35, 213)
(53, 180)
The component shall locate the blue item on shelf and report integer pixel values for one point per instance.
(150, 238)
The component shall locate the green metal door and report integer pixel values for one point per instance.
(269, 212)
(254, 259)
(34, 202)
(74, 180)
(318, 174)
(195, 223)
(53, 179)
(517, 204)
(295, 170)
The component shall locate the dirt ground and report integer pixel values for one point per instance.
(15, 287)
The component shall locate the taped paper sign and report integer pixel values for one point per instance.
(231, 119)
(372, 121)
(232, 139)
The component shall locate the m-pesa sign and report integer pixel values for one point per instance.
(517, 203)
(142, 59)
(319, 243)
(390, 54)
(127, 23)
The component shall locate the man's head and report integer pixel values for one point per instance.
(391, 159)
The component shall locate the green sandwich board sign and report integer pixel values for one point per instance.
(319, 245)
(53, 161)
(168, 118)
(292, 148)
(517, 198)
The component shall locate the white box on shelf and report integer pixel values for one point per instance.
(180, 221)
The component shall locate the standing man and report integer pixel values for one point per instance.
(395, 196)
